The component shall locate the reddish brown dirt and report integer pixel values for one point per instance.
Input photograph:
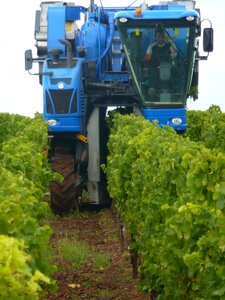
(100, 232)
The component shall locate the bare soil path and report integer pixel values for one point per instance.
(89, 277)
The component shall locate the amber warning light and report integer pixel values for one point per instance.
(138, 12)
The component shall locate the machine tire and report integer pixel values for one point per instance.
(63, 193)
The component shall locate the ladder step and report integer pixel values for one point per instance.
(117, 52)
(116, 38)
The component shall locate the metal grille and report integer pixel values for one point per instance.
(74, 103)
(48, 104)
(61, 100)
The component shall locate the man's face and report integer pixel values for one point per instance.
(159, 38)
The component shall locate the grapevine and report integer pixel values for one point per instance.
(25, 178)
(170, 194)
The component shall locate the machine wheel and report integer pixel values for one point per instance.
(63, 193)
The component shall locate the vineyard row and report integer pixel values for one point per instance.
(170, 194)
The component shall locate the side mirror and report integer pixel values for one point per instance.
(28, 60)
(208, 39)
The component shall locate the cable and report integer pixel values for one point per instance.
(127, 6)
(131, 3)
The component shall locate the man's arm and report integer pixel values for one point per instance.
(148, 55)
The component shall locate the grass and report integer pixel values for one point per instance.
(100, 294)
(104, 294)
(88, 283)
(78, 254)
(100, 260)
(74, 252)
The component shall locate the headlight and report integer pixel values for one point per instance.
(60, 85)
(190, 18)
(123, 20)
(177, 121)
(52, 122)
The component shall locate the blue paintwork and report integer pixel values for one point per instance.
(56, 27)
(68, 122)
(165, 116)
(158, 14)
(89, 38)
(73, 12)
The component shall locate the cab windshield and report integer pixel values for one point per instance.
(160, 60)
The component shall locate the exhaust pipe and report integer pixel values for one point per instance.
(92, 6)
(68, 52)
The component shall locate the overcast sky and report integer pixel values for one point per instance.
(21, 92)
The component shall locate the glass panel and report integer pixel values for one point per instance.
(158, 61)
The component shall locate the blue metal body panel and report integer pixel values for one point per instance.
(68, 123)
(116, 52)
(124, 77)
(157, 14)
(93, 37)
(73, 13)
(70, 78)
(56, 27)
(165, 116)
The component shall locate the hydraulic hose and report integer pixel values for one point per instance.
(109, 40)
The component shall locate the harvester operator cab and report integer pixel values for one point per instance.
(161, 47)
